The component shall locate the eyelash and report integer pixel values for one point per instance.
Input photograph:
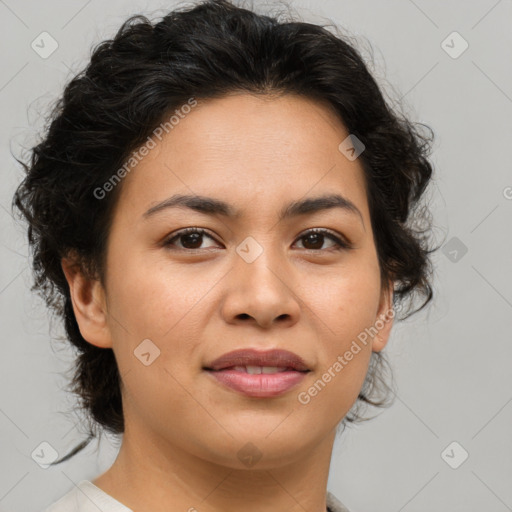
(342, 244)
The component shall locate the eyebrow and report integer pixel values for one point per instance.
(212, 206)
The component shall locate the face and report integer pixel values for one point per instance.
(244, 276)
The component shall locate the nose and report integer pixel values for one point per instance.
(261, 293)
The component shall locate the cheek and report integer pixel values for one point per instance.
(158, 302)
(345, 309)
(154, 335)
(346, 303)
(344, 356)
(153, 300)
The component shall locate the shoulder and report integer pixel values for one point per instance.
(69, 503)
(86, 497)
(334, 504)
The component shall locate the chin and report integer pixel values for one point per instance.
(257, 448)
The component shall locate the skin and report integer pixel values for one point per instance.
(183, 428)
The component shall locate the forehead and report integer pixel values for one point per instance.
(243, 146)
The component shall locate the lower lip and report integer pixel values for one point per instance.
(262, 385)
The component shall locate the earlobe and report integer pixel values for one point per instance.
(384, 319)
(89, 306)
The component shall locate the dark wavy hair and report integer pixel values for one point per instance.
(130, 86)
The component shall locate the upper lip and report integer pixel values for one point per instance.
(252, 357)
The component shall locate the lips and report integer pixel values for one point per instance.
(282, 359)
(258, 374)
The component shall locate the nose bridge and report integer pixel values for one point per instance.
(258, 263)
(260, 284)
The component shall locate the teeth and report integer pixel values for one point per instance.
(271, 369)
(256, 370)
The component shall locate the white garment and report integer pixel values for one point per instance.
(86, 497)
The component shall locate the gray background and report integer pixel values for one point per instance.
(452, 364)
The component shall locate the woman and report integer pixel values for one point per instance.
(221, 211)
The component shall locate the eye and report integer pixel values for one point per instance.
(190, 238)
(313, 240)
(316, 238)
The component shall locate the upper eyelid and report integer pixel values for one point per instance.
(185, 231)
(341, 240)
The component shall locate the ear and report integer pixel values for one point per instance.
(89, 305)
(384, 319)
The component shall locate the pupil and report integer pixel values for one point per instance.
(196, 240)
(315, 239)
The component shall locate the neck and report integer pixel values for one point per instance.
(150, 474)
